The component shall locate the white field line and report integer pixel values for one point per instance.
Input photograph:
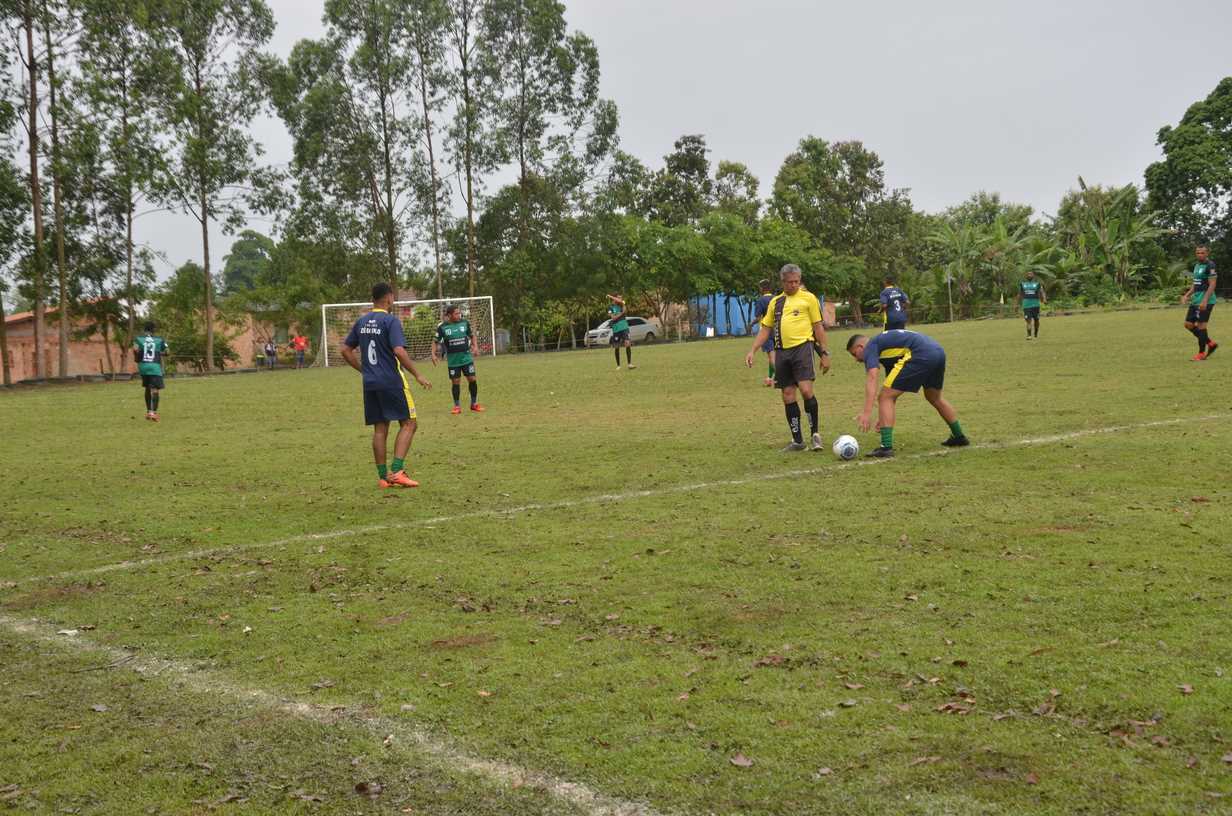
(566, 504)
(209, 682)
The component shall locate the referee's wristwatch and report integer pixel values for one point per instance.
(823, 352)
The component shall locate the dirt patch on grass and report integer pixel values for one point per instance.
(50, 595)
(463, 642)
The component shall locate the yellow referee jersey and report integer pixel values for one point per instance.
(800, 312)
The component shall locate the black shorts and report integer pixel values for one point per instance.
(467, 370)
(387, 406)
(916, 373)
(1196, 315)
(620, 338)
(793, 365)
(152, 381)
(299, 357)
(1031, 312)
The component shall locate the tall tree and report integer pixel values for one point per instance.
(1191, 187)
(474, 85)
(33, 139)
(837, 193)
(680, 193)
(427, 23)
(209, 102)
(14, 203)
(735, 191)
(121, 66)
(56, 22)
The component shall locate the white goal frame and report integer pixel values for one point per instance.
(438, 308)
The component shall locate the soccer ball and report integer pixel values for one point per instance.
(846, 447)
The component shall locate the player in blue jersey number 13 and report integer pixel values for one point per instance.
(375, 347)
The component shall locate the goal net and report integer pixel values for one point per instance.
(419, 321)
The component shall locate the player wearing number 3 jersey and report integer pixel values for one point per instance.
(375, 347)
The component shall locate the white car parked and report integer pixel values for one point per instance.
(641, 330)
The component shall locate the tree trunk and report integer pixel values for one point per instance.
(4, 344)
(209, 285)
(391, 231)
(436, 216)
(36, 198)
(58, 204)
(107, 343)
(129, 210)
(471, 247)
(468, 137)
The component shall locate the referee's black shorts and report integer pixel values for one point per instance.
(794, 365)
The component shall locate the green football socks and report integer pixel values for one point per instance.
(382, 471)
(771, 374)
(956, 428)
(887, 437)
(397, 466)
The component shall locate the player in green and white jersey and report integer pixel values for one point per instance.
(1030, 293)
(456, 341)
(148, 351)
(1201, 298)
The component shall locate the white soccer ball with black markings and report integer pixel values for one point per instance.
(846, 447)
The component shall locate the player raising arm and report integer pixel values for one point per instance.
(618, 325)
(375, 347)
(1201, 297)
(912, 360)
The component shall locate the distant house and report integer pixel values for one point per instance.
(84, 356)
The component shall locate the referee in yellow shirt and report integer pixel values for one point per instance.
(793, 319)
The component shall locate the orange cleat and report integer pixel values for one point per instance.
(154, 416)
(149, 415)
(1210, 348)
(383, 483)
(457, 409)
(1201, 355)
(400, 479)
(477, 408)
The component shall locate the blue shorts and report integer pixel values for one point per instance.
(619, 338)
(388, 406)
(895, 324)
(1196, 315)
(916, 373)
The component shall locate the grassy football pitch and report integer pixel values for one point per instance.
(612, 593)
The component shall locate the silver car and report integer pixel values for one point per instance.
(641, 330)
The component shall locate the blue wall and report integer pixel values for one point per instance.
(714, 309)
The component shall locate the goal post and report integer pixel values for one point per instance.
(419, 321)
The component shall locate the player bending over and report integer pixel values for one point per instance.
(1201, 297)
(374, 347)
(793, 319)
(148, 351)
(912, 360)
(457, 342)
(1030, 294)
(760, 307)
(618, 324)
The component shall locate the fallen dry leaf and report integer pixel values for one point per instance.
(854, 686)
(741, 761)
(771, 660)
(1185, 688)
(824, 771)
(683, 697)
(483, 693)
(1192, 762)
(99, 707)
(1199, 500)
(1227, 758)
(1031, 779)
(848, 703)
(924, 760)
(903, 706)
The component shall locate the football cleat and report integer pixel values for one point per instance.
(400, 479)
(793, 447)
(881, 453)
(1210, 348)
(154, 416)
(383, 483)
(817, 444)
(477, 408)
(632, 366)
(957, 442)
(1201, 355)
(457, 409)
(768, 382)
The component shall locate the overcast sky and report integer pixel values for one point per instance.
(954, 95)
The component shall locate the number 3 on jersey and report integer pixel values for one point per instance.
(372, 352)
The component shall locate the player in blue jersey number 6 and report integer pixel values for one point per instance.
(375, 347)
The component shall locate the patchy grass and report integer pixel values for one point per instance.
(1015, 629)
